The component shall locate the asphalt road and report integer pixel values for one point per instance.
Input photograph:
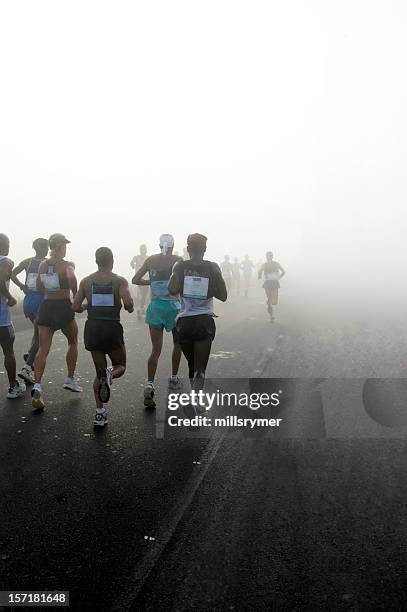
(142, 516)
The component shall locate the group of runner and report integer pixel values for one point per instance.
(182, 292)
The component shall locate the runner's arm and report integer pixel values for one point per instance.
(79, 297)
(70, 273)
(281, 270)
(261, 271)
(16, 271)
(220, 285)
(174, 284)
(5, 274)
(125, 296)
(138, 277)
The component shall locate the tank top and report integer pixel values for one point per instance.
(197, 288)
(104, 302)
(5, 312)
(159, 281)
(31, 276)
(53, 281)
(271, 271)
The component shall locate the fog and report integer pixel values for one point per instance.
(265, 125)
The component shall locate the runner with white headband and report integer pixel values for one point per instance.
(161, 312)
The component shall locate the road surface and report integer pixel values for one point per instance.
(141, 517)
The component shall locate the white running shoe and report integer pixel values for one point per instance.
(149, 396)
(100, 419)
(17, 391)
(174, 383)
(27, 374)
(72, 385)
(37, 401)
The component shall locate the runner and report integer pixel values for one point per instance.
(142, 290)
(56, 278)
(161, 312)
(227, 272)
(198, 281)
(105, 292)
(6, 327)
(32, 301)
(247, 267)
(272, 272)
(236, 276)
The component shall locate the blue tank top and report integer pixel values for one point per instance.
(31, 276)
(5, 313)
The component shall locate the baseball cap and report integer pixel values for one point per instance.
(56, 240)
(166, 242)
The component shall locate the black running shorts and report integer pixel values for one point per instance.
(55, 314)
(103, 336)
(195, 328)
(6, 337)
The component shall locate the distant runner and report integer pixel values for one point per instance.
(105, 293)
(32, 301)
(142, 290)
(56, 278)
(272, 272)
(227, 272)
(7, 335)
(236, 275)
(161, 312)
(198, 281)
(247, 267)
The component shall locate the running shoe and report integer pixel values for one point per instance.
(105, 381)
(37, 401)
(174, 383)
(149, 397)
(100, 419)
(72, 385)
(27, 374)
(17, 391)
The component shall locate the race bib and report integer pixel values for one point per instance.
(31, 282)
(102, 299)
(196, 287)
(272, 276)
(51, 281)
(159, 288)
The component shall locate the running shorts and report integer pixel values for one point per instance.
(32, 302)
(162, 313)
(195, 328)
(103, 336)
(55, 314)
(7, 336)
(271, 284)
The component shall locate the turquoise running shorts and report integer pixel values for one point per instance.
(162, 313)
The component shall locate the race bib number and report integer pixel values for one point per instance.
(31, 282)
(102, 299)
(196, 287)
(159, 288)
(51, 281)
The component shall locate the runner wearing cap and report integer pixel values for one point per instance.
(161, 312)
(32, 300)
(6, 327)
(247, 267)
(272, 272)
(105, 293)
(56, 278)
(142, 290)
(198, 281)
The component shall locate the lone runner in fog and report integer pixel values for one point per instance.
(142, 290)
(272, 272)
(32, 301)
(6, 327)
(161, 312)
(105, 293)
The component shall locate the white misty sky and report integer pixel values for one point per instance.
(266, 125)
